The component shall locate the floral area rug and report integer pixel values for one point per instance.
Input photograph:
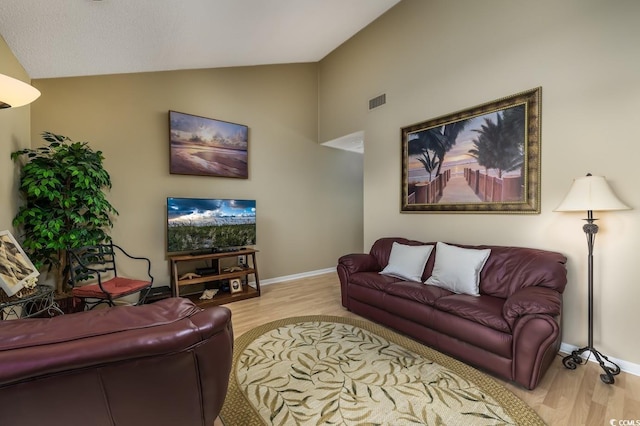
(321, 370)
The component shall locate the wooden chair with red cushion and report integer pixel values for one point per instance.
(94, 277)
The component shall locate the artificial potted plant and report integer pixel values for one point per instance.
(64, 205)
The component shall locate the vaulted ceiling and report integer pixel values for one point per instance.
(64, 38)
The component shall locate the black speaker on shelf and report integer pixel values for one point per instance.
(206, 271)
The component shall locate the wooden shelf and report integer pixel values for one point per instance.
(217, 277)
(207, 256)
(223, 298)
(192, 288)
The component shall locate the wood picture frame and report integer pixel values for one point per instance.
(485, 159)
(15, 267)
(207, 147)
(235, 285)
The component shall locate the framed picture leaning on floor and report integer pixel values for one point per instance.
(15, 267)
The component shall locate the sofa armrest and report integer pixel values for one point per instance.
(350, 264)
(359, 262)
(532, 301)
(536, 341)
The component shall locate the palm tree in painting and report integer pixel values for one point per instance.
(514, 128)
(430, 163)
(420, 147)
(500, 144)
(450, 134)
(437, 141)
(481, 153)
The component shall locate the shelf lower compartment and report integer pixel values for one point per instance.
(247, 292)
(217, 277)
(191, 287)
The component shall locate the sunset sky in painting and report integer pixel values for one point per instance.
(464, 142)
(186, 125)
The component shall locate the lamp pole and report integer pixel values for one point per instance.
(573, 360)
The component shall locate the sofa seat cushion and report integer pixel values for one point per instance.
(373, 280)
(449, 324)
(472, 333)
(483, 309)
(418, 292)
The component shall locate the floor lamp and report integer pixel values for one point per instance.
(591, 193)
(15, 93)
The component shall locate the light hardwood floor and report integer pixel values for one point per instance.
(564, 397)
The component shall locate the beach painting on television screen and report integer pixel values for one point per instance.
(207, 147)
(198, 224)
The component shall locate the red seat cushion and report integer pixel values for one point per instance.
(116, 287)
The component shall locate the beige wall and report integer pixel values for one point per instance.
(14, 135)
(436, 57)
(309, 197)
(430, 58)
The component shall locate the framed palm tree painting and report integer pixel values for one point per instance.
(484, 159)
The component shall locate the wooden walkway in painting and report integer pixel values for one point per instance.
(458, 191)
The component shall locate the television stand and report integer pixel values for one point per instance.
(192, 288)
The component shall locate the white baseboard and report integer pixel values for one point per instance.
(296, 276)
(626, 366)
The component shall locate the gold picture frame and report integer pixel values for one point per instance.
(484, 159)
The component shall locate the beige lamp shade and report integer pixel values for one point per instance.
(15, 93)
(590, 193)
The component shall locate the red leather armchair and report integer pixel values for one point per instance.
(167, 363)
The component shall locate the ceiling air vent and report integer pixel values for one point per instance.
(377, 101)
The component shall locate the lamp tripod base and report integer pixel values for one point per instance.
(610, 368)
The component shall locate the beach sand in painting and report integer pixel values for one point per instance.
(212, 161)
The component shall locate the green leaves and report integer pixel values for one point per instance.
(53, 138)
(65, 206)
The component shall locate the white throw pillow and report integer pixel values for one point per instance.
(407, 262)
(458, 269)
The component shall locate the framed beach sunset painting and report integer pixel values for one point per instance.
(207, 147)
(484, 159)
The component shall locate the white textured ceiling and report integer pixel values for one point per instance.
(63, 38)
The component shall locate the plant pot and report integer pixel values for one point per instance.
(67, 303)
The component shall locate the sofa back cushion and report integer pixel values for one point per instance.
(510, 269)
(381, 250)
(407, 262)
(507, 269)
(458, 269)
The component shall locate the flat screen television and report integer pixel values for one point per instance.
(202, 225)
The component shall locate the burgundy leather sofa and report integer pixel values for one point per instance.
(513, 329)
(166, 363)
